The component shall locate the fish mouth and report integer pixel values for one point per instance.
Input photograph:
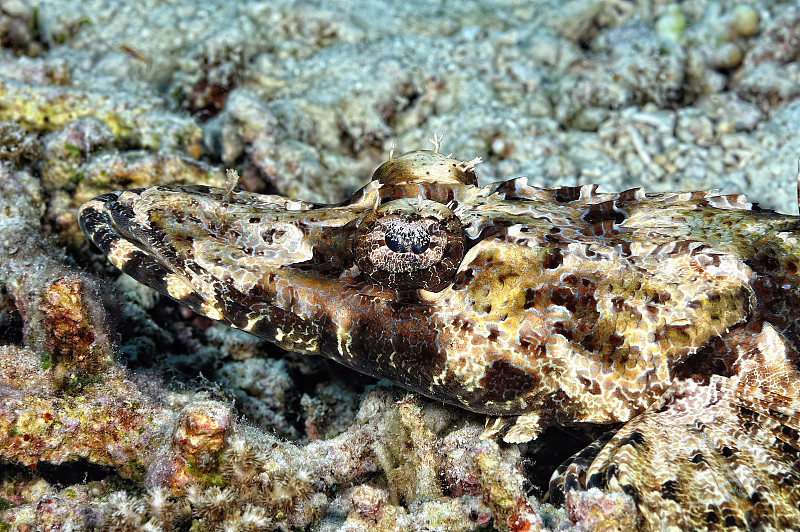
(110, 223)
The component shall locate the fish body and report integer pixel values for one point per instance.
(535, 306)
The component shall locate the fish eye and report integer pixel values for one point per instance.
(408, 244)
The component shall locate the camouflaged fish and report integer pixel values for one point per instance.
(675, 313)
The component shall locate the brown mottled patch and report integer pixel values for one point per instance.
(552, 259)
(504, 381)
(605, 211)
(566, 194)
(534, 297)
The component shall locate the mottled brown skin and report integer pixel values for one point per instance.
(675, 313)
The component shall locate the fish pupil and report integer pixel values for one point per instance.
(407, 239)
